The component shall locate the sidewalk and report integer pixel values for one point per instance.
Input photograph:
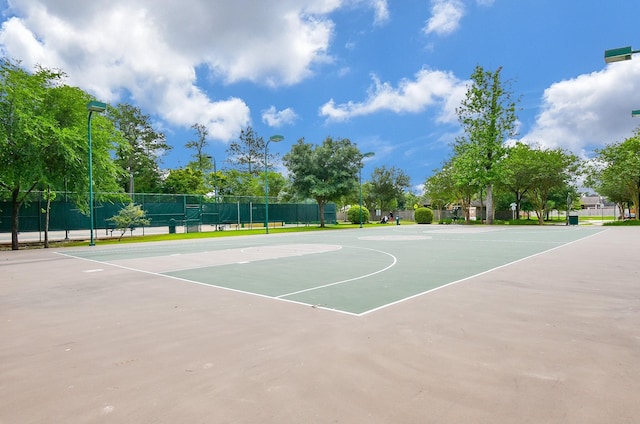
(36, 236)
(101, 233)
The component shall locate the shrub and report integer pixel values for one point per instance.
(353, 214)
(128, 218)
(423, 215)
(627, 222)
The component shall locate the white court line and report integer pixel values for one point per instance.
(264, 296)
(335, 283)
(395, 260)
(475, 275)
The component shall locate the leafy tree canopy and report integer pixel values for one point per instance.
(141, 150)
(487, 115)
(323, 172)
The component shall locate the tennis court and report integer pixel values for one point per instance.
(403, 324)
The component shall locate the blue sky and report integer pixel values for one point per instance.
(387, 74)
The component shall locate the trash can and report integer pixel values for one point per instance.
(172, 226)
(573, 219)
(397, 220)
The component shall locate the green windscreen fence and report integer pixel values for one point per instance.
(163, 210)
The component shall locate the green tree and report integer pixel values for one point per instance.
(139, 155)
(43, 143)
(201, 160)
(439, 190)
(24, 126)
(388, 185)
(277, 183)
(553, 171)
(129, 217)
(461, 173)
(239, 184)
(184, 181)
(615, 173)
(518, 172)
(368, 199)
(606, 183)
(65, 148)
(558, 198)
(410, 200)
(242, 184)
(487, 115)
(248, 151)
(323, 172)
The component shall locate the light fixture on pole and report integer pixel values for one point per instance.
(274, 138)
(618, 55)
(366, 155)
(93, 106)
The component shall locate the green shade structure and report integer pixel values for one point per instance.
(635, 113)
(92, 106)
(275, 139)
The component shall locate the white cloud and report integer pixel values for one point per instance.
(150, 50)
(381, 11)
(590, 110)
(275, 118)
(411, 96)
(445, 16)
(380, 8)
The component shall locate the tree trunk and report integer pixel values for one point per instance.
(15, 209)
(490, 213)
(321, 211)
(518, 202)
(15, 213)
(482, 210)
(540, 212)
(466, 207)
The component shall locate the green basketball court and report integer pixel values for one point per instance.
(355, 272)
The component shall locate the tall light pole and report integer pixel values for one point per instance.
(274, 138)
(618, 55)
(93, 106)
(366, 155)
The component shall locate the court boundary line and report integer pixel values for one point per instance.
(264, 296)
(279, 298)
(477, 275)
